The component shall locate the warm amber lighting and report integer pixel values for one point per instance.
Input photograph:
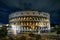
(27, 18)
(21, 23)
(30, 18)
(33, 27)
(27, 23)
(24, 18)
(19, 18)
(36, 23)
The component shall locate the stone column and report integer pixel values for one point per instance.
(39, 31)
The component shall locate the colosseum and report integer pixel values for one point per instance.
(29, 21)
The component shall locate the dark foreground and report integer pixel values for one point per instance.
(32, 37)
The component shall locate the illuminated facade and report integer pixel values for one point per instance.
(29, 21)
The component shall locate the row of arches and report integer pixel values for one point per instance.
(29, 18)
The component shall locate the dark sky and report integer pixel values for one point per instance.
(50, 6)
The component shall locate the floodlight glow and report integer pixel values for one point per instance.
(14, 29)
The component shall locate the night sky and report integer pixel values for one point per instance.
(50, 6)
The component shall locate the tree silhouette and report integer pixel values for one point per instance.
(3, 32)
(57, 29)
